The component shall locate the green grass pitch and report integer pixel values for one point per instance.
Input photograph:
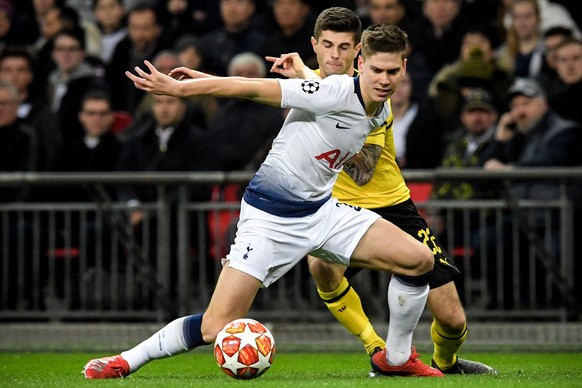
(290, 369)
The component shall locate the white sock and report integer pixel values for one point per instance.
(406, 304)
(167, 342)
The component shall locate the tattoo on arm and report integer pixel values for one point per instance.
(362, 166)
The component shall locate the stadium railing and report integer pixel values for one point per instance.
(83, 261)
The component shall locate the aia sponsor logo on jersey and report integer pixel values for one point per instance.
(335, 158)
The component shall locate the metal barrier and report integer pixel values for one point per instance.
(84, 262)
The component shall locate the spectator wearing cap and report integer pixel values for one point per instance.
(533, 135)
(476, 68)
(478, 118)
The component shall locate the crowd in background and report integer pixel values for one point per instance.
(66, 105)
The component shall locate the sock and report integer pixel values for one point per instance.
(446, 345)
(346, 306)
(176, 337)
(406, 303)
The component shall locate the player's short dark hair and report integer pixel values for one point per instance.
(384, 38)
(338, 19)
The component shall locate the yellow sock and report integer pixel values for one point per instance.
(346, 306)
(446, 345)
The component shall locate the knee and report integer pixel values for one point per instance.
(424, 260)
(327, 276)
(453, 323)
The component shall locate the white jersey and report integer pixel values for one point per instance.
(326, 127)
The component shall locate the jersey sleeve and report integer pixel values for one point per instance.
(317, 96)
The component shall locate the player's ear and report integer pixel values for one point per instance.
(314, 44)
(360, 63)
(404, 62)
(358, 48)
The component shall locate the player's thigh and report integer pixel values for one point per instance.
(446, 308)
(232, 298)
(385, 246)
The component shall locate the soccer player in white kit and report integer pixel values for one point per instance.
(287, 210)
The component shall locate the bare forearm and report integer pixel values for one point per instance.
(266, 91)
(362, 166)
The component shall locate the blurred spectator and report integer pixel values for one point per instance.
(294, 27)
(478, 118)
(6, 22)
(418, 130)
(242, 131)
(396, 12)
(552, 15)
(238, 35)
(53, 20)
(533, 135)
(476, 68)
(189, 55)
(18, 144)
(72, 78)
(189, 52)
(98, 148)
(552, 39)
(176, 19)
(521, 54)
(141, 43)
(206, 16)
(440, 33)
(470, 141)
(16, 68)
(165, 61)
(110, 18)
(565, 97)
(166, 142)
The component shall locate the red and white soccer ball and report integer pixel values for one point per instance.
(244, 349)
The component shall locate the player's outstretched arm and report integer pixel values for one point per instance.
(266, 91)
(291, 65)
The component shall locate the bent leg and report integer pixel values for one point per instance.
(232, 297)
(343, 302)
(386, 247)
(449, 328)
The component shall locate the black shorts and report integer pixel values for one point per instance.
(406, 217)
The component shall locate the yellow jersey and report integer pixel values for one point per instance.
(387, 186)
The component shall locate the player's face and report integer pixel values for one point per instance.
(380, 75)
(335, 52)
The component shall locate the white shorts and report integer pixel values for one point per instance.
(267, 246)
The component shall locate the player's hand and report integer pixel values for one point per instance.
(154, 82)
(182, 73)
(290, 65)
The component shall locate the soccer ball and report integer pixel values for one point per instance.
(244, 349)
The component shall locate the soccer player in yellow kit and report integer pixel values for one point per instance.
(373, 181)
